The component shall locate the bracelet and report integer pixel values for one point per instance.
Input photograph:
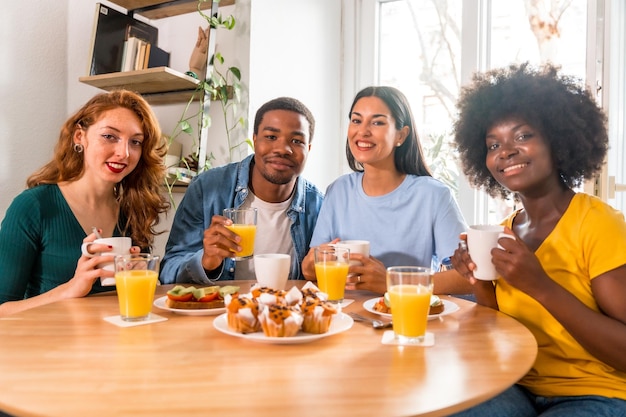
(192, 74)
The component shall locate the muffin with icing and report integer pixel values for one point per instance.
(242, 313)
(317, 315)
(258, 291)
(280, 320)
(269, 296)
(310, 291)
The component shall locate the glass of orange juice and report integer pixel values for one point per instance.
(244, 224)
(409, 289)
(136, 278)
(331, 270)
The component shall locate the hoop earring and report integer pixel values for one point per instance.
(78, 148)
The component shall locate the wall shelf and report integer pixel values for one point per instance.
(160, 85)
(159, 9)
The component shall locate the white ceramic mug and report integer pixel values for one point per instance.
(272, 269)
(504, 235)
(355, 246)
(480, 240)
(121, 246)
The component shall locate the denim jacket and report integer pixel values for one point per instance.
(210, 193)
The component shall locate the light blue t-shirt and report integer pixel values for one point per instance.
(418, 223)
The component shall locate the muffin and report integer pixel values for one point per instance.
(280, 320)
(242, 313)
(317, 314)
(310, 291)
(266, 292)
(269, 296)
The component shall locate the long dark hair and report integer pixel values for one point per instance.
(409, 157)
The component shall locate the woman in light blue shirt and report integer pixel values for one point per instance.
(391, 199)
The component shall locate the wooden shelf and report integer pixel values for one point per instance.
(159, 9)
(160, 85)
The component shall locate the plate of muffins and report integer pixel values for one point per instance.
(340, 323)
(267, 315)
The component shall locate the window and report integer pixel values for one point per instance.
(428, 49)
(615, 178)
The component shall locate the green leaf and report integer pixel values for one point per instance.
(229, 23)
(186, 127)
(237, 93)
(235, 71)
(214, 22)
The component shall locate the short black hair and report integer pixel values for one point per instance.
(285, 103)
(560, 106)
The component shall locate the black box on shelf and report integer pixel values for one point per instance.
(158, 58)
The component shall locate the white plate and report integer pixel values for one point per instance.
(340, 323)
(449, 308)
(160, 303)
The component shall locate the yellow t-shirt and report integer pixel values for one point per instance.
(589, 240)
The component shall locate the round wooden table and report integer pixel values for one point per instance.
(65, 360)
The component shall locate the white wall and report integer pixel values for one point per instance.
(295, 50)
(283, 47)
(33, 89)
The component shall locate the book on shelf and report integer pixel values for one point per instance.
(111, 32)
(144, 63)
(142, 30)
(141, 55)
(131, 48)
(136, 54)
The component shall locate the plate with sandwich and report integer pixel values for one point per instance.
(192, 301)
(438, 307)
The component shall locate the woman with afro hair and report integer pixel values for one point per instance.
(534, 134)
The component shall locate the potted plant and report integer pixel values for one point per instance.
(223, 86)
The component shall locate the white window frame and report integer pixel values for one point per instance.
(360, 19)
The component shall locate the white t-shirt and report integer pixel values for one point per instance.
(273, 233)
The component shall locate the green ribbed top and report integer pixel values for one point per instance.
(40, 242)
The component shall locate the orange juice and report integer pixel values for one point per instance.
(331, 278)
(247, 233)
(409, 309)
(135, 292)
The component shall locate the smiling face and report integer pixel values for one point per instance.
(519, 157)
(112, 145)
(372, 133)
(281, 147)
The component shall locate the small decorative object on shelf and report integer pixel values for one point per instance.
(178, 174)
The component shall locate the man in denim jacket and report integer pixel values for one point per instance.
(200, 247)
